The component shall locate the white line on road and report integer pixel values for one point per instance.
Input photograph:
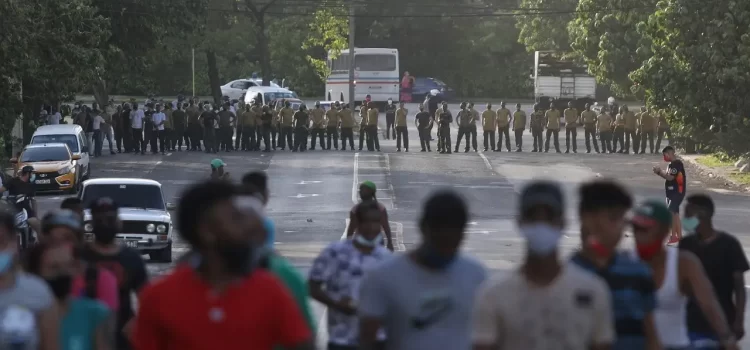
(355, 179)
(486, 161)
(388, 181)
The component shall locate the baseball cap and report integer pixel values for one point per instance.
(370, 185)
(542, 193)
(62, 217)
(652, 213)
(217, 163)
(103, 204)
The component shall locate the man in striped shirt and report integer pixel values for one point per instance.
(602, 213)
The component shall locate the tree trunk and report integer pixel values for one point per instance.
(32, 104)
(265, 54)
(101, 92)
(213, 75)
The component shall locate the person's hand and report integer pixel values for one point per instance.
(657, 170)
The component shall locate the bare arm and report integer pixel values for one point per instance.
(49, 325)
(387, 229)
(368, 332)
(702, 291)
(649, 330)
(352, 225)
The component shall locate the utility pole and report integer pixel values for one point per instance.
(352, 99)
(193, 68)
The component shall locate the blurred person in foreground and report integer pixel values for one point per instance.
(544, 304)
(724, 260)
(336, 276)
(423, 298)
(678, 275)
(85, 323)
(602, 209)
(219, 299)
(29, 317)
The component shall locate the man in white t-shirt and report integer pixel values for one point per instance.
(159, 118)
(136, 124)
(54, 117)
(98, 121)
(544, 304)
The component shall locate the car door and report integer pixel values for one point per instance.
(237, 89)
(84, 161)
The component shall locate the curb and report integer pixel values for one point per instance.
(711, 173)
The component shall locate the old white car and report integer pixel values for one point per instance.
(146, 222)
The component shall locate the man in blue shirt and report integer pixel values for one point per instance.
(602, 210)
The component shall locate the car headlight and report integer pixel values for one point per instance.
(150, 228)
(88, 227)
(65, 170)
(161, 228)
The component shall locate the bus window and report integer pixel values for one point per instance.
(375, 62)
(340, 64)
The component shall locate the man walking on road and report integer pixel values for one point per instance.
(675, 184)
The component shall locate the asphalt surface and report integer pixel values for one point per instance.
(312, 192)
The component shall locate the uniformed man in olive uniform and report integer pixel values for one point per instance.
(537, 128)
(275, 123)
(332, 126)
(207, 120)
(445, 119)
(265, 126)
(347, 127)
(168, 132)
(226, 119)
(631, 125)
(402, 133)
(503, 127)
(301, 129)
(473, 126)
(257, 115)
(390, 120)
(246, 128)
(464, 122)
(663, 129)
(238, 129)
(604, 124)
(318, 126)
(519, 125)
(179, 118)
(373, 142)
(571, 128)
(552, 118)
(619, 132)
(489, 123)
(363, 124)
(589, 128)
(648, 127)
(286, 119)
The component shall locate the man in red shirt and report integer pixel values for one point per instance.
(218, 300)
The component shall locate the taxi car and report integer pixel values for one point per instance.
(54, 164)
(146, 222)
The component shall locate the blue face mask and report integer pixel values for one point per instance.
(6, 260)
(32, 177)
(690, 224)
(369, 243)
(433, 259)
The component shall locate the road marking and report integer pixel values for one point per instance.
(300, 195)
(388, 181)
(486, 161)
(308, 182)
(355, 180)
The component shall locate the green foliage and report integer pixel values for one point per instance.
(607, 39)
(543, 24)
(328, 31)
(700, 70)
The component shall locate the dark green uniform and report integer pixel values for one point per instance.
(536, 124)
(445, 118)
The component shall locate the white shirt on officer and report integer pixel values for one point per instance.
(159, 118)
(137, 119)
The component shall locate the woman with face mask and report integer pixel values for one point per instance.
(84, 323)
(338, 271)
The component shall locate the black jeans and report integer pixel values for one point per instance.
(538, 135)
(347, 133)
(503, 130)
(650, 136)
(571, 136)
(590, 135)
(463, 131)
(556, 136)
(402, 134)
(489, 140)
(661, 133)
(332, 133)
(138, 144)
(424, 138)
(373, 142)
(248, 142)
(285, 138)
(317, 133)
(605, 137)
(300, 139)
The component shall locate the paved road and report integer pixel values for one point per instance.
(312, 192)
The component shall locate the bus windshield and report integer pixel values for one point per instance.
(375, 62)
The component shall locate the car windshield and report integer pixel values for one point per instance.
(70, 140)
(126, 196)
(276, 95)
(45, 154)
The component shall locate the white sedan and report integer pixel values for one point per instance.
(236, 89)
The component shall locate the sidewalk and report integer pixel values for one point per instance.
(721, 172)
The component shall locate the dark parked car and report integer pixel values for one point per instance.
(423, 85)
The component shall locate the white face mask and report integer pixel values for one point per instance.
(542, 239)
(366, 242)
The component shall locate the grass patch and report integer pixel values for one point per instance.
(742, 178)
(714, 161)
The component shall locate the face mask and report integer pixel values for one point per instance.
(649, 250)
(6, 260)
(690, 224)
(104, 233)
(237, 256)
(32, 177)
(60, 285)
(666, 159)
(433, 259)
(367, 242)
(542, 239)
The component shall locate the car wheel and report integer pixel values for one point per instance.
(162, 256)
(88, 173)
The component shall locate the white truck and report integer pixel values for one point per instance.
(561, 81)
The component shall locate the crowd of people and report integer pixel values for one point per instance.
(161, 126)
(232, 290)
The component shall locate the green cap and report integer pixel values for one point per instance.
(217, 163)
(370, 185)
(651, 213)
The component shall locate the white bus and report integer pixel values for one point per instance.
(376, 73)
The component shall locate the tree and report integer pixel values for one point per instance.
(258, 10)
(543, 24)
(606, 38)
(700, 70)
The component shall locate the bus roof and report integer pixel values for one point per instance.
(371, 50)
